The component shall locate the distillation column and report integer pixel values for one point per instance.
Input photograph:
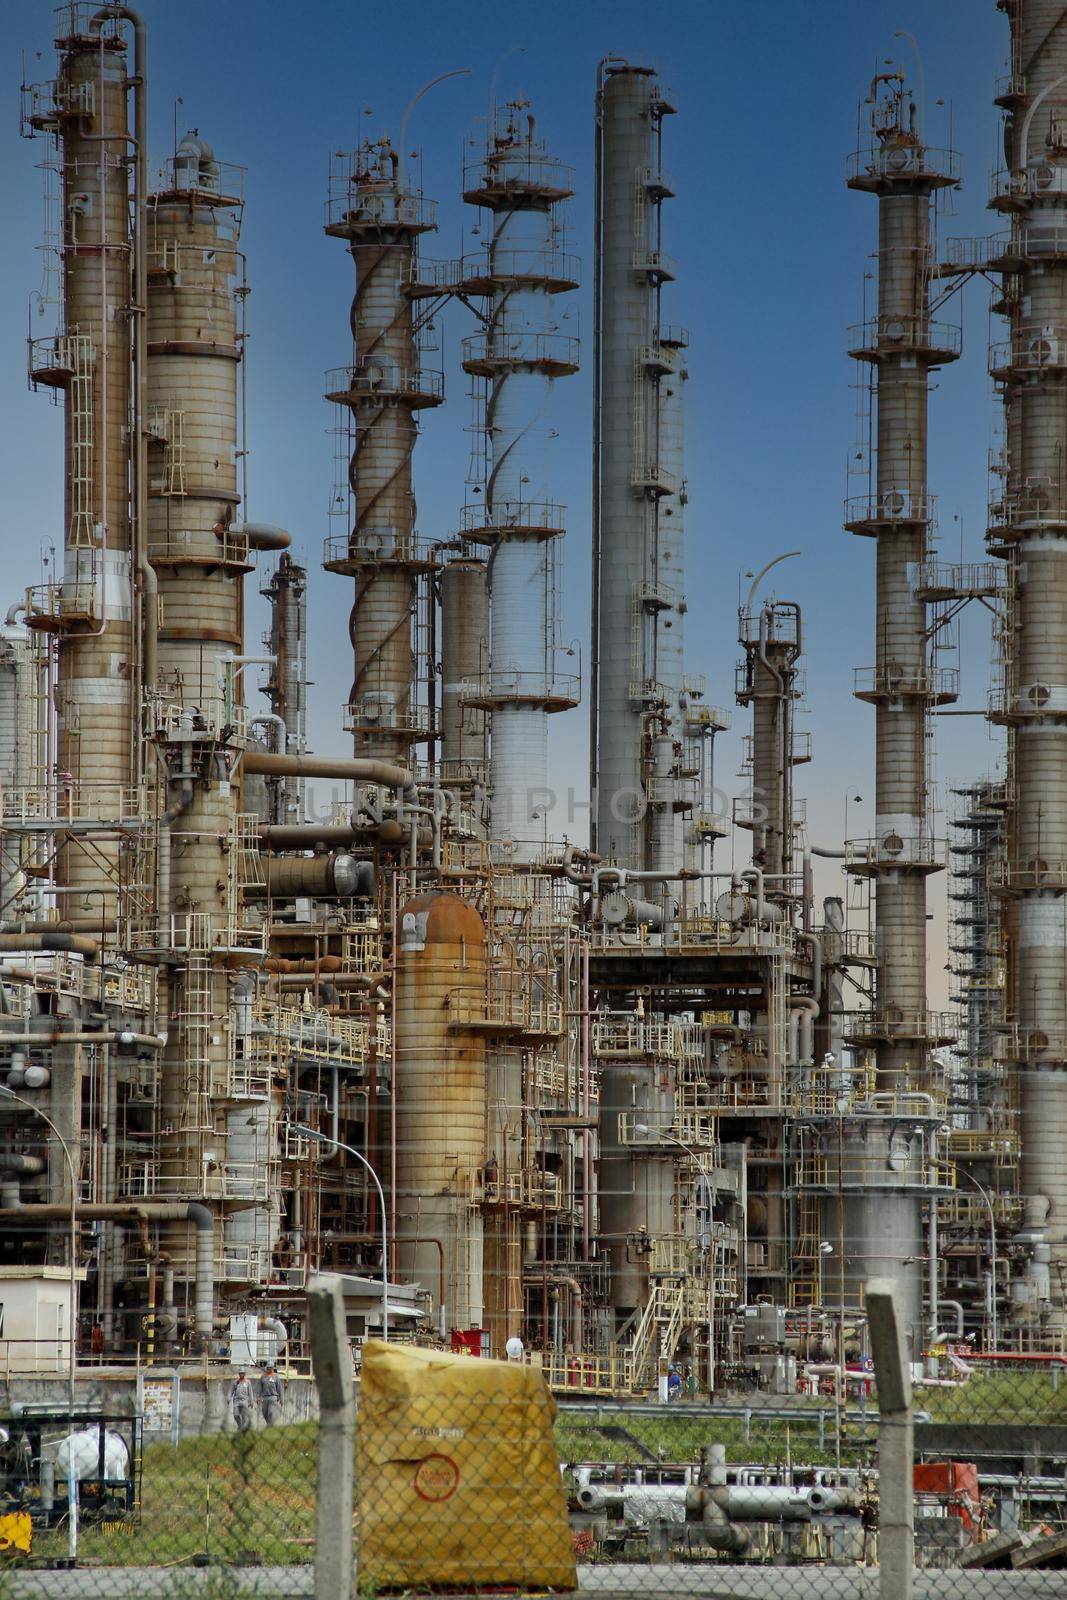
(882, 1156)
(381, 218)
(637, 556)
(210, 1145)
(519, 354)
(89, 605)
(286, 590)
(1029, 528)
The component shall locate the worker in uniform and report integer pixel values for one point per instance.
(242, 1401)
(270, 1396)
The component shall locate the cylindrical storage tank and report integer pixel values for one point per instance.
(338, 876)
(636, 1185)
(440, 1092)
(464, 655)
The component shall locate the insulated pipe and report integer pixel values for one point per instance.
(350, 769)
(276, 1326)
(262, 535)
(147, 1211)
(50, 939)
(335, 876)
(19, 1165)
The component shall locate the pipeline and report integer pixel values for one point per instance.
(146, 1211)
(48, 938)
(353, 769)
(261, 535)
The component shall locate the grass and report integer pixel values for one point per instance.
(234, 1499)
(246, 1499)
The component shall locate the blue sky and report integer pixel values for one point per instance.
(772, 249)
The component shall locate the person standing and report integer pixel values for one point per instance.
(270, 1396)
(242, 1400)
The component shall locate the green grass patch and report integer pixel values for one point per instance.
(232, 1499)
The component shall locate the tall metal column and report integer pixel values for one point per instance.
(881, 1158)
(89, 606)
(1028, 527)
(637, 557)
(195, 713)
(372, 206)
(519, 354)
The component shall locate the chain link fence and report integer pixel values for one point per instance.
(469, 1477)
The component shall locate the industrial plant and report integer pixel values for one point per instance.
(603, 1095)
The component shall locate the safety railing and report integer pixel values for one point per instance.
(74, 801)
(358, 203)
(554, 269)
(655, 264)
(377, 546)
(891, 849)
(588, 1373)
(43, 107)
(373, 378)
(1023, 1041)
(895, 161)
(485, 353)
(929, 683)
(626, 1037)
(930, 1026)
(524, 170)
(491, 521)
(504, 685)
(889, 335)
(1040, 872)
(202, 546)
(873, 511)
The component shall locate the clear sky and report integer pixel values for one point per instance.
(772, 249)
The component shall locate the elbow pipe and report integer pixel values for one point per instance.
(262, 535)
(955, 1306)
(41, 939)
(812, 943)
(276, 1326)
(14, 612)
(20, 1166)
(351, 769)
(754, 876)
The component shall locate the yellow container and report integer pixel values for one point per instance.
(458, 1481)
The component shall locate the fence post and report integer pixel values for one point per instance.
(896, 1492)
(332, 1362)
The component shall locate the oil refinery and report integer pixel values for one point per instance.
(609, 1097)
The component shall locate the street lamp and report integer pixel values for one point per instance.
(670, 1138)
(987, 1197)
(324, 1138)
(9, 1094)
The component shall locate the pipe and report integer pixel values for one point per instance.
(45, 938)
(50, 1036)
(302, 836)
(262, 535)
(147, 1211)
(958, 1309)
(348, 768)
(276, 1326)
(23, 1166)
(145, 570)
